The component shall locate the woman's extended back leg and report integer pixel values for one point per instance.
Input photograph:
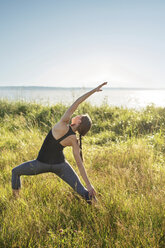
(33, 167)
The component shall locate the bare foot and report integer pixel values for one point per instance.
(16, 193)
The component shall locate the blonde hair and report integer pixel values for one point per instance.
(83, 128)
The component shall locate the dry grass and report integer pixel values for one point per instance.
(127, 171)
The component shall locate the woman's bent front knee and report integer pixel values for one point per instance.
(15, 171)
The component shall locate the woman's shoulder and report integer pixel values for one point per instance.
(59, 129)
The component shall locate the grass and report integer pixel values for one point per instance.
(124, 157)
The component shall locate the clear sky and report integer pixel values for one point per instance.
(82, 42)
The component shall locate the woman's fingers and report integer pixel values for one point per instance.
(105, 83)
(100, 86)
(92, 192)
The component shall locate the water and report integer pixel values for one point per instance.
(130, 98)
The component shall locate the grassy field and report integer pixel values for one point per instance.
(124, 157)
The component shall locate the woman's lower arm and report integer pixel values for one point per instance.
(82, 98)
(85, 96)
(84, 175)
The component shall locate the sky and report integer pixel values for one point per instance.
(80, 43)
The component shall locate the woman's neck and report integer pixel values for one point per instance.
(74, 127)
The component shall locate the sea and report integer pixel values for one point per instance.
(122, 97)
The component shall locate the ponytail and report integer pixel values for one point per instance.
(80, 144)
(82, 129)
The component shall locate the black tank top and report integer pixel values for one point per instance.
(51, 151)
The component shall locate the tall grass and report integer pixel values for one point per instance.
(124, 158)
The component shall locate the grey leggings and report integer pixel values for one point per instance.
(63, 170)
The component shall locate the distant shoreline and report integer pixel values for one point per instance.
(128, 97)
(74, 88)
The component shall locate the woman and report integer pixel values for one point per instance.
(51, 157)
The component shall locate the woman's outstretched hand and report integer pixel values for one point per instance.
(100, 86)
(91, 191)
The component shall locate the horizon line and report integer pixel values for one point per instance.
(80, 87)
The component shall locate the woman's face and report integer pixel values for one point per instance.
(76, 120)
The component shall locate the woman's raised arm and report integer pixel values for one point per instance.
(66, 117)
